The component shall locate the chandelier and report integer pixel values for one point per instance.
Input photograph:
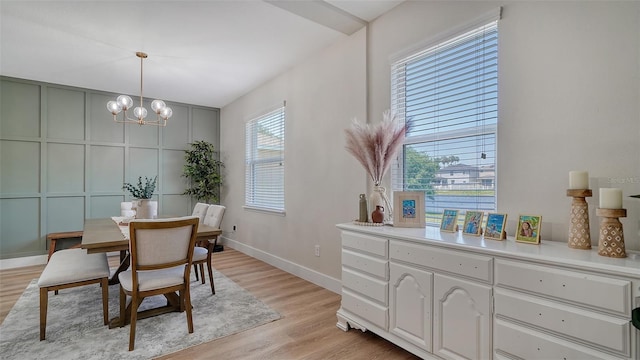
(124, 103)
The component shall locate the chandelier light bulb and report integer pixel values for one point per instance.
(139, 112)
(113, 107)
(166, 113)
(157, 106)
(125, 102)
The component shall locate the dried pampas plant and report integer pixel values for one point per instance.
(375, 146)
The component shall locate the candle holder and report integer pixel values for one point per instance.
(579, 233)
(611, 242)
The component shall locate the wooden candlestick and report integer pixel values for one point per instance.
(611, 241)
(579, 233)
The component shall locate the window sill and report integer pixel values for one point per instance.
(265, 210)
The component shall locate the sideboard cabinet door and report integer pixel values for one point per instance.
(410, 304)
(462, 319)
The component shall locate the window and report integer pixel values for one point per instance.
(449, 92)
(264, 173)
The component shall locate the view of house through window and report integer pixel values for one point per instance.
(264, 168)
(449, 93)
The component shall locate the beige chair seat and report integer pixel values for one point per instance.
(73, 265)
(200, 254)
(153, 279)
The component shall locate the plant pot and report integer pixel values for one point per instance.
(147, 209)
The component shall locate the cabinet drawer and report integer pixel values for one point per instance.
(599, 292)
(366, 309)
(365, 263)
(369, 244)
(473, 266)
(606, 332)
(525, 343)
(365, 285)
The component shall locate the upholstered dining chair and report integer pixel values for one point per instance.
(200, 210)
(204, 250)
(161, 253)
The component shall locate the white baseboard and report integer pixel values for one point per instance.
(32, 260)
(23, 261)
(300, 271)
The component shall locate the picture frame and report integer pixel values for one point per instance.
(408, 209)
(449, 220)
(495, 226)
(528, 230)
(473, 223)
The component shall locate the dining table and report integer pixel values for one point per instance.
(111, 234)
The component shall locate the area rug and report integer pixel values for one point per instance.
(75, 329)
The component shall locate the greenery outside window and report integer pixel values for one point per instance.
(264, 166)
(449, 91)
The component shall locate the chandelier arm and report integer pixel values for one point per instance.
(127, 120)
(161, 119)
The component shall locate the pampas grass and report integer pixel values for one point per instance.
(375, 146)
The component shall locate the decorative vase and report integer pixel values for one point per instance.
(364, 209)
(377, 216)
(147, 209)
(379, 198)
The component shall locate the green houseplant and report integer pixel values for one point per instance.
(202, 169)
(142, 190)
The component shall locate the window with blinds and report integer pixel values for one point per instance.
(449, 93)
(264, 174)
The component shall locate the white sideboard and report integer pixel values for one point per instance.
(445, 295)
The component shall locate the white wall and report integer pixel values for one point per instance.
(322, 182)
(569, 100)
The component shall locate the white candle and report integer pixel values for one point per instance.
(578, 180)
(610, 198)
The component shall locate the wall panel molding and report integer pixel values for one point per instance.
(63, 159)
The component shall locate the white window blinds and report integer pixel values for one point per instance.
(264, 174)
(449, 92)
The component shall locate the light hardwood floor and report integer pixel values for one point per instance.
(307, 329)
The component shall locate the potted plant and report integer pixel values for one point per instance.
(375, 146)
(202, 169)
(143, 191)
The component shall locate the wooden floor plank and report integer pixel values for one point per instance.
(307, 329)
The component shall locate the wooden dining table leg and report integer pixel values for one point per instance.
(125, 262)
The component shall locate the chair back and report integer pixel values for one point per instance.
(214, 216)
(200, 210)
(162, 243)
(126, 209)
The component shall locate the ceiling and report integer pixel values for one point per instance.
(199, 52)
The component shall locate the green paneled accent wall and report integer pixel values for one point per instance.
(21, 103)
(66, 111)
(65, 168)
(64, 159)
(20, 167)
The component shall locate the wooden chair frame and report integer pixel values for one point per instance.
(182, 301)
(199, 265)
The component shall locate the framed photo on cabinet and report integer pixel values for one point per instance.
(408, 209)
(495, 226)
(529, 229)
(473, 223)
(449, 220)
